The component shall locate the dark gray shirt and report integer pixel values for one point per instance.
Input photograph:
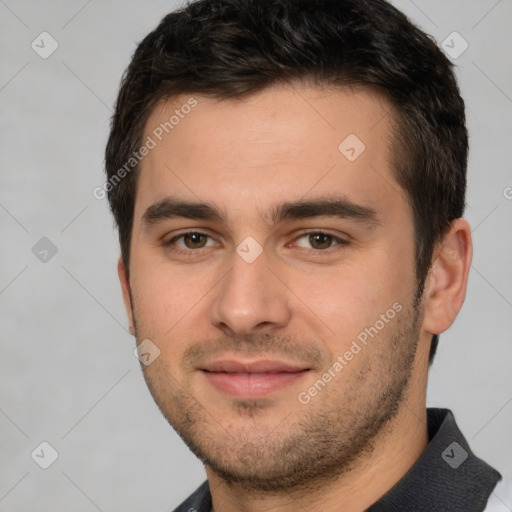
(448, 477)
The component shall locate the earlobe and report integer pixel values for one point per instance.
(445, 288)
(127, 296)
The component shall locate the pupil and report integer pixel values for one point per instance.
(195, 240)
(320, 241)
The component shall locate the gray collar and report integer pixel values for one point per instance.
(447, 477)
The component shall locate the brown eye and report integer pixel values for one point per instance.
(320, 240)
(194, 240)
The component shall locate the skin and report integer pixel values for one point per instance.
(299, 301)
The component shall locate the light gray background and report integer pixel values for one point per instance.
(68, 375)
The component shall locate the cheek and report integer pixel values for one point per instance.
(169, 311)
(351, 297)
(166, 300)
(343, 300)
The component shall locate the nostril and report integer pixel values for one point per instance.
(263, 325)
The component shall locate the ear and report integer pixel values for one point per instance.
(446, 283)
(127, 296)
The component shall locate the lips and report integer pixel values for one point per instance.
(252, 379)
(262, 366)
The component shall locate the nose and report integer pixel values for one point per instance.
(251, 299)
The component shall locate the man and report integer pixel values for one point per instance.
(288, 179)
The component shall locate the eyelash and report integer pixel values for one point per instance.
(336, 242)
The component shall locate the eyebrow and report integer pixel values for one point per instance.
(171, 208)
(339, 207)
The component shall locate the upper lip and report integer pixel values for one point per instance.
(261, 366)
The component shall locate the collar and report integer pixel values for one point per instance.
(447, 476)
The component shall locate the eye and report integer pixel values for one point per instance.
(318, 240)
(191, 240)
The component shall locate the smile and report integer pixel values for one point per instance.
(253, 379)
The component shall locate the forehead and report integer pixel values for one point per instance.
(287, 141)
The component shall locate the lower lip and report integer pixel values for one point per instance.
(252, 385)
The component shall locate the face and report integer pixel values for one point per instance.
(272, 265)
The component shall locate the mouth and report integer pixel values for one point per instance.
(253, 379)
